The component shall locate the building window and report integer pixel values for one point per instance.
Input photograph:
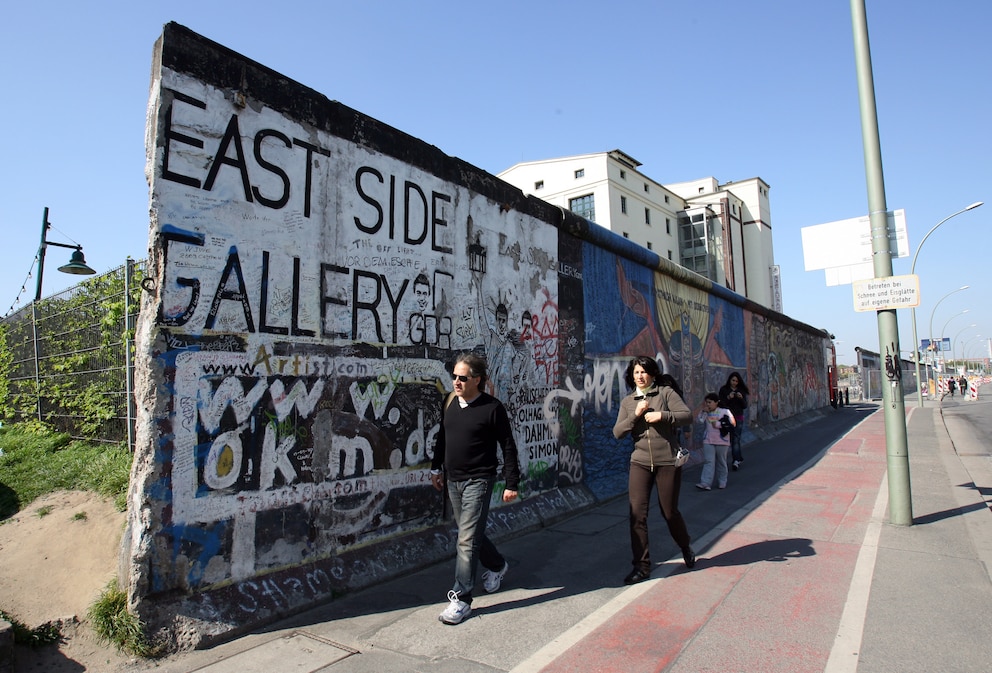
(669, 255)
(668, 225)
(580, 173)
(666, 198)
(539, 185)
(583, 206)
(626, 235)
(623, 204)
(647, 216)
(701, 189)
(649, 246)
(646, 188)
(623, 174)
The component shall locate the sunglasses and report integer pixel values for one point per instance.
(463, 379)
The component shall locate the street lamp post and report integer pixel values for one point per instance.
(968, 344)
(77, 264)
(963, 287)
(943, 329)
(964, 348)
(912, 271)
(955, 342)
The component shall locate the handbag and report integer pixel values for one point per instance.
(682, 454)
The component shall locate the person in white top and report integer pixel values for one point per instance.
(719, 424)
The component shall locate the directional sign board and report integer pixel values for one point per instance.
(880, 294)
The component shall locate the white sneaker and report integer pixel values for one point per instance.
(491, 579)
(457, 610)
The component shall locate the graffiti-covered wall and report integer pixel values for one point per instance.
(312, 276)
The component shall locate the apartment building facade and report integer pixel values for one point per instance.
(720, 231)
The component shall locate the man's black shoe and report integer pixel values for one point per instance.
(689, 557)
(636, 575)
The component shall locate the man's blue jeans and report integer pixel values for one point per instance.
(470, 504)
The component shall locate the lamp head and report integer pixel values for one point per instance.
(77, 265)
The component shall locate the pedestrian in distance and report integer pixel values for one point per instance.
(733, 396)
(718, 423)
(473, 424)
(650, 415)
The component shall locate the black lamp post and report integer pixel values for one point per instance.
(77, 264)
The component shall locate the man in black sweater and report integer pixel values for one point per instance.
(472, 423)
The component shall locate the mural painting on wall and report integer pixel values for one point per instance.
(697, 337)
(791, 371)
(312, 295)
(633, 310)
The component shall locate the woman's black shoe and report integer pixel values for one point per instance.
(636, 575)
(689, 557)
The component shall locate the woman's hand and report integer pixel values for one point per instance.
(641, 408)
(653, 417)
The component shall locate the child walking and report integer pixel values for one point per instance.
(716, 442)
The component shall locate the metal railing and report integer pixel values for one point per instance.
(71, 358)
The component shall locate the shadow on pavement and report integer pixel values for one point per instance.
(769, 550)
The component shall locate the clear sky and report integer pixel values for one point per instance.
(691, 89)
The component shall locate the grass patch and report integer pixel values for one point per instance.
(116, 625)
(37, 461)
(44, 511)
(79, 516)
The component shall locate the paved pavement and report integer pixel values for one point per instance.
(798, 571)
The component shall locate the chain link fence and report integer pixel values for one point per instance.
(70, 358)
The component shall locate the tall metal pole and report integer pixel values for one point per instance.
(41, 254)
(896, 445)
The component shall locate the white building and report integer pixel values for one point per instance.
(722, 232)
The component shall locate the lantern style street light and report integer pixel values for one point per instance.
(77, 264)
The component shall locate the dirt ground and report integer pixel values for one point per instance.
(56, 557)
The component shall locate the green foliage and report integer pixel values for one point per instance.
(115, 624)
(63, 358)
(37, 461)
(42, 635)
(6, 357)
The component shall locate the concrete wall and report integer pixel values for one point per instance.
(312, 275)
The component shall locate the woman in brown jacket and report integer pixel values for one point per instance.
(651, 416)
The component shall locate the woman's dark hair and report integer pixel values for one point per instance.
(669, 380)
(476, 365)
(740, 383)
(647, 364)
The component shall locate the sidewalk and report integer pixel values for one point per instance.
(797, 571)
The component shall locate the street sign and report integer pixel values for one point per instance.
(844, 250)
(890, 292)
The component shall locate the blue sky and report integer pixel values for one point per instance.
(723, 88)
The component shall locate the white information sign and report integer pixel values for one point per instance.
(880, 294)
(844, 251)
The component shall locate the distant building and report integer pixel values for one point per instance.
(720, 231)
